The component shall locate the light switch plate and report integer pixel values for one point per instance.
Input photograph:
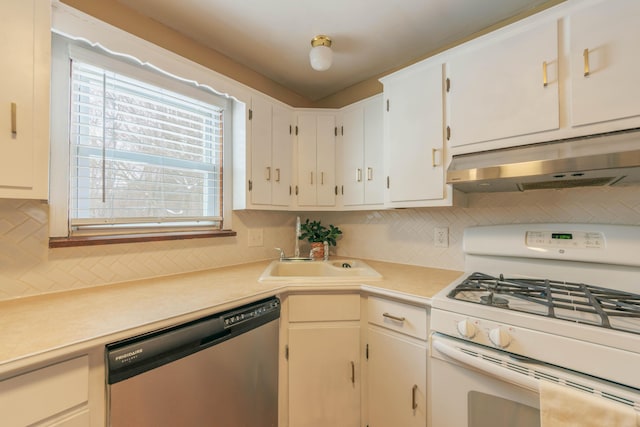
(256, 237)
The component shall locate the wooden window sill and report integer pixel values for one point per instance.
(65, 242)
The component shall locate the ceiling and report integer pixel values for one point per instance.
(370, 37)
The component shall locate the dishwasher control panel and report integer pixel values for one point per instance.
(248, 313)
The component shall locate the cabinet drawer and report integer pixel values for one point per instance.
(40, 394)
(397, 316)
(313, 308)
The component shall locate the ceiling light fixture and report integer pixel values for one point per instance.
(321, 54)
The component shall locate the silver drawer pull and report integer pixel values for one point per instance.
(392, 317)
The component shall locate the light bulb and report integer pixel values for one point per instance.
(321, 55)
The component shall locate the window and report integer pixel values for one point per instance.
(145, 151)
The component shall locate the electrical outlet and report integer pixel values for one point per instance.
(256, 237)
(441, 237)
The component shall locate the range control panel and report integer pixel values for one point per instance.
(560, 239)
(235, 317)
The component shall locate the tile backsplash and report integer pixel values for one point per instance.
(28, 267)
(407, 236)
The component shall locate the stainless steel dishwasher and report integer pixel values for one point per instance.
(221, 371)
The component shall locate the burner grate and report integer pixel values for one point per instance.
(576, 302)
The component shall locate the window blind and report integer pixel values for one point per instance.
(143, 157)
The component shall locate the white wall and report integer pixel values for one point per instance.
(28, 267)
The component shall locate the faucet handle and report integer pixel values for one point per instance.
(281, 253)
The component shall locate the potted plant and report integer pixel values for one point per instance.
(316, 234)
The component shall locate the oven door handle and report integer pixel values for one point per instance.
(485, 367)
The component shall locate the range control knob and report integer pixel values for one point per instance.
(466, 329)
(499, 337)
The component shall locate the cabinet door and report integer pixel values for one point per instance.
(413, 135)
(373, 152)
(307, 159)
(397, 380)
(604, 38)
(362, 153)
(261, 169)
(324, 376)
(353, 156)
(47, 392)
(497, 90)
(326, 160)
(316, 159)
(24, 98)
(281, 156)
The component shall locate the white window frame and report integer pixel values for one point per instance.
(60, 83)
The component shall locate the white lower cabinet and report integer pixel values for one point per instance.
(397, 364)
(324, 360)
(56, 395)
(339, 373)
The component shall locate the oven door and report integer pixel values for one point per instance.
(475, 386)
(466, 392)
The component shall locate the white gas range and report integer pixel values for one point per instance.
(552, 302)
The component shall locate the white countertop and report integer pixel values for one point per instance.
(38, 328)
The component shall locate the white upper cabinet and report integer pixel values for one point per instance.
(316, 133)
(413, 136)
(374, 151)
(260, 152)
(25, 45)
(504, 85)
(282, 156)
(361, 154)
(271, 153)
(605, 62)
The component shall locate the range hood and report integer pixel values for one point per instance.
(596, 160)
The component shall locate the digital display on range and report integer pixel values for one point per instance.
(562, 236)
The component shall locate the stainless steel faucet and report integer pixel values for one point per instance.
(296, 251)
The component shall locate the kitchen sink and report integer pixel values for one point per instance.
(342, 270)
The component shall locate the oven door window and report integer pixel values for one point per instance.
(486, 410)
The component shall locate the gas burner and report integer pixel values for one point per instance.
(576, 302)
(494, 301)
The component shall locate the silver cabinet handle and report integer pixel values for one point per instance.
(311, 178)
(277, 174)
(267, 173)
(414, 402)
(358, 174)
(392, 317)
(14, 119)
(545, 82)
(369, 174)
(585, 54)
(353, 372)
(321, 178)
